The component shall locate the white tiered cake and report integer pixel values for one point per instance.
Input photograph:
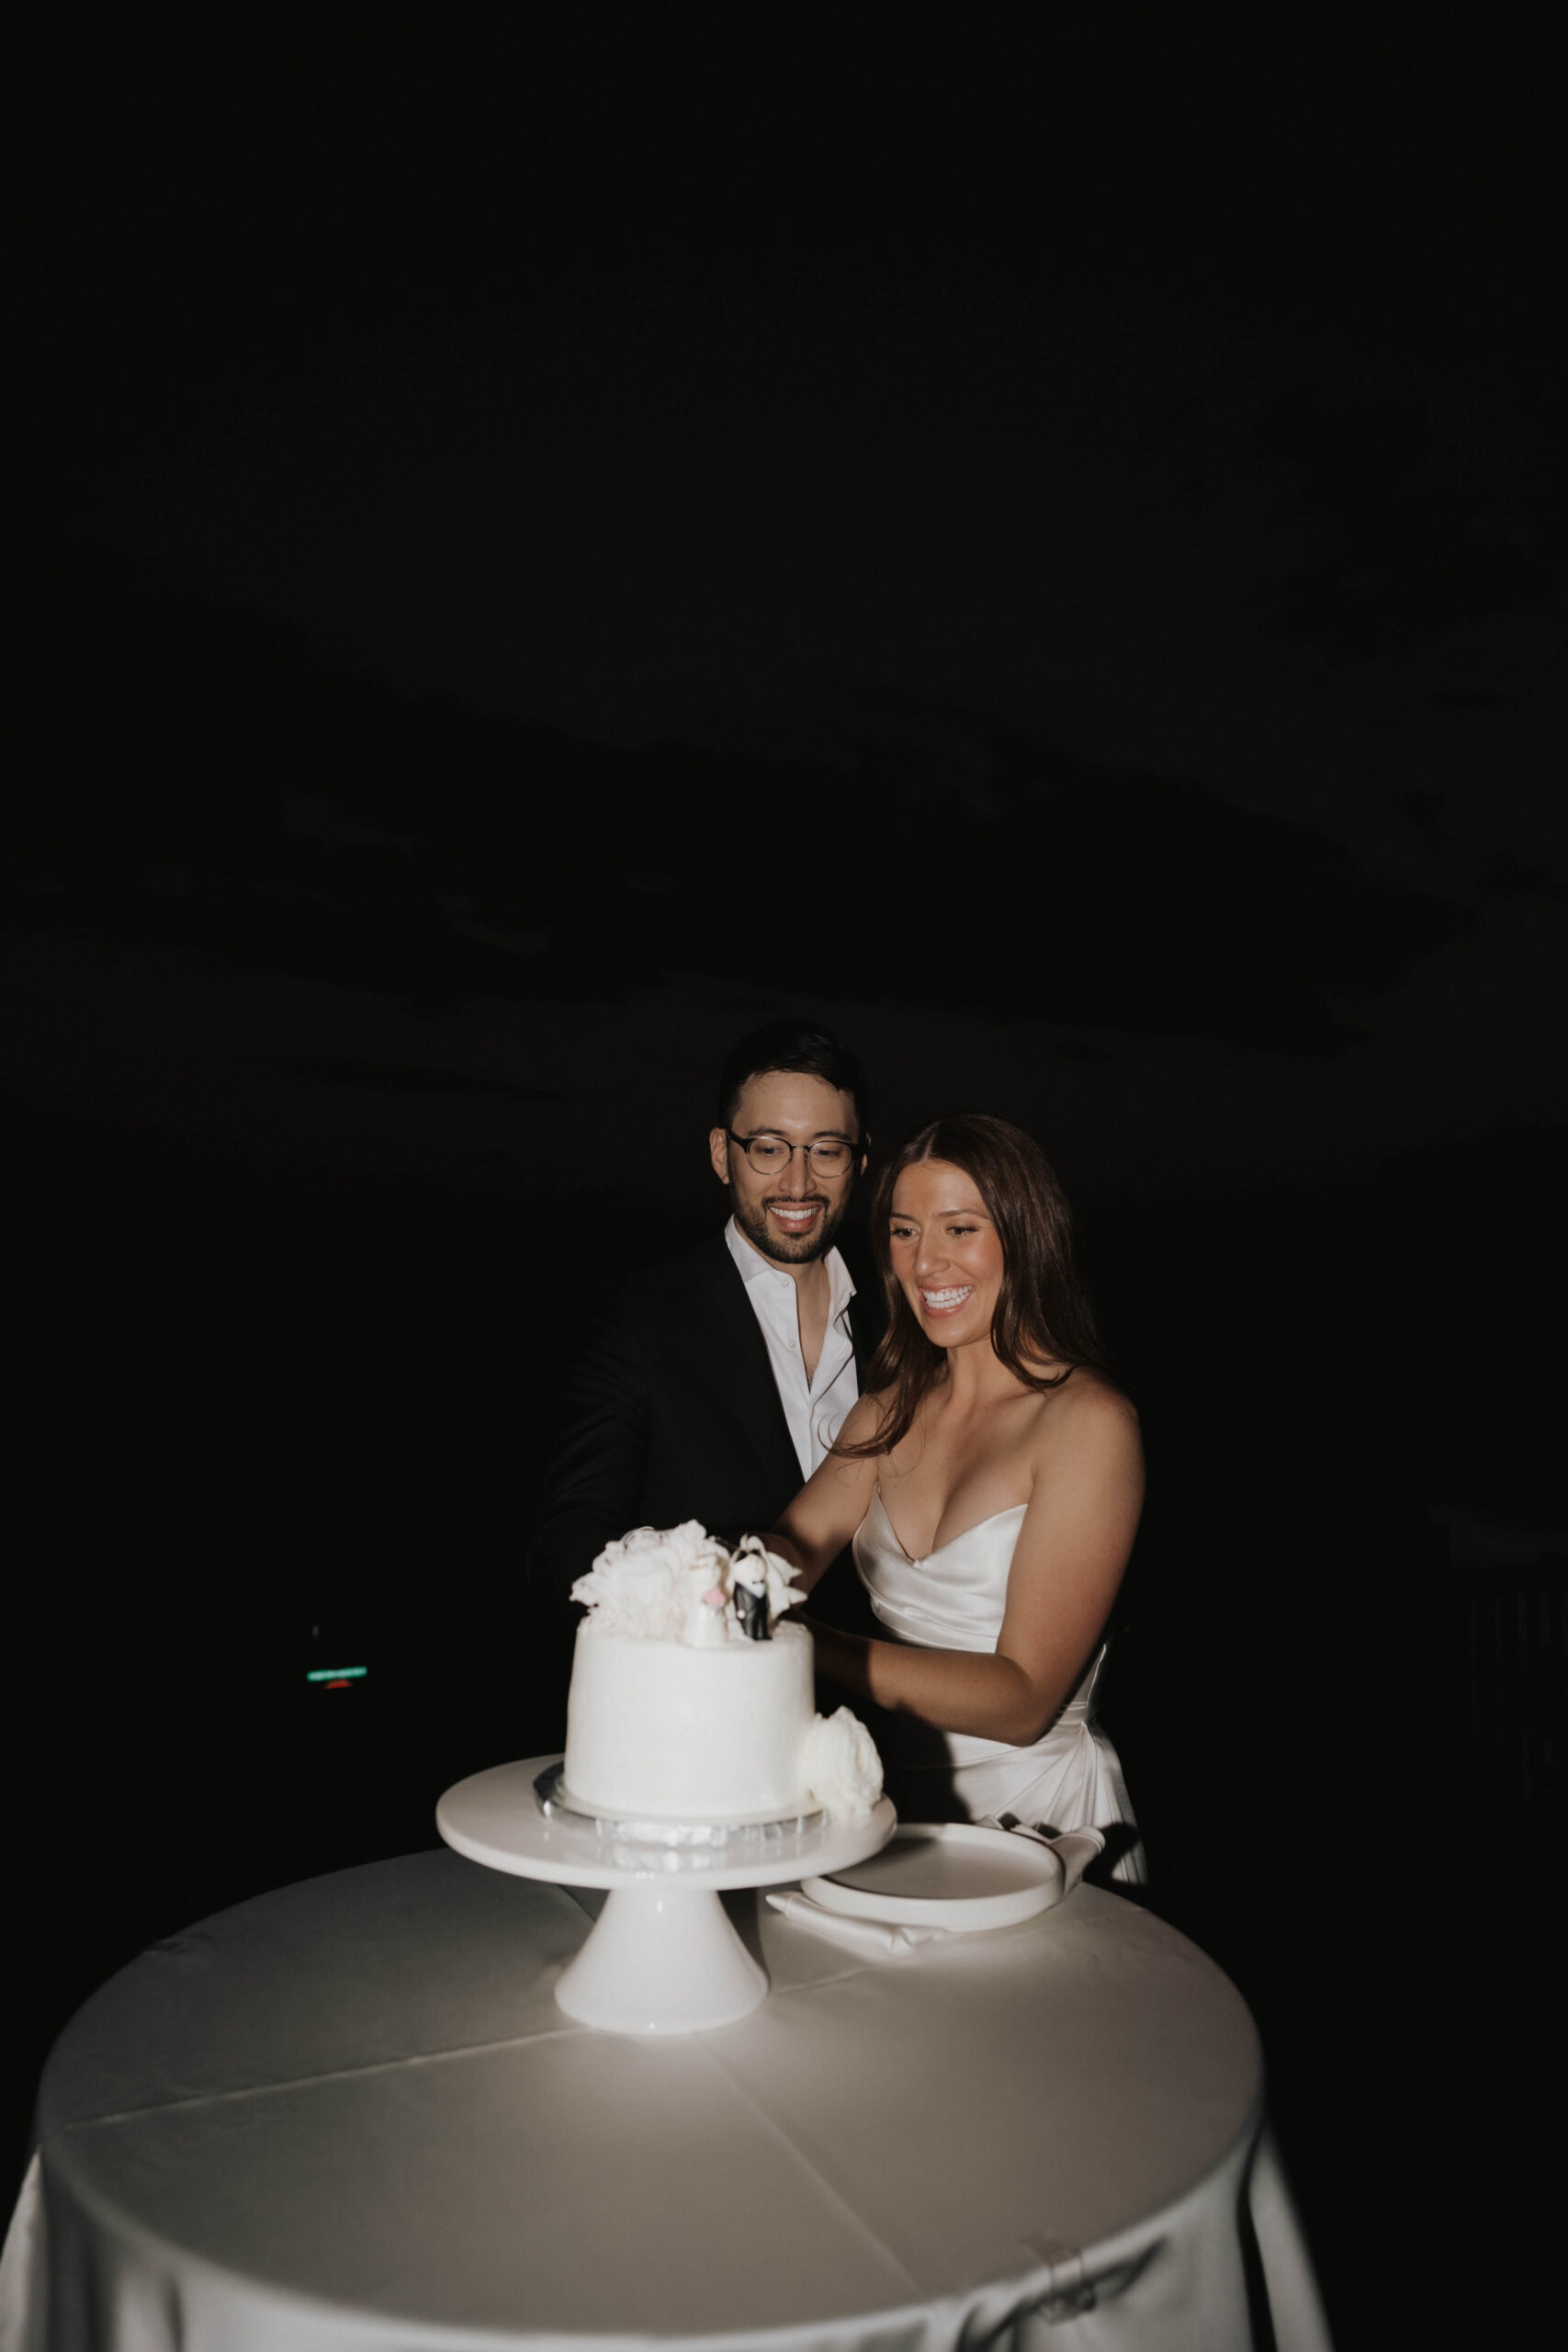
(690, 1702)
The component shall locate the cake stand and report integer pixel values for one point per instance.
(662, 1956)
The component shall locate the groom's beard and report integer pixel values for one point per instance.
(785, 1249)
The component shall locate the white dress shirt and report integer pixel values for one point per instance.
(815, 1410)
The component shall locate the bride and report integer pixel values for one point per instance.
(991, 1479)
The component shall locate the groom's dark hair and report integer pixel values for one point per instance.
(797, 1046)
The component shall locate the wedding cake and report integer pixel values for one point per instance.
(690, 1702)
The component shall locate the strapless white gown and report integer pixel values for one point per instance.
(954, 1599)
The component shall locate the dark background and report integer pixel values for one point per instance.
(538, 538)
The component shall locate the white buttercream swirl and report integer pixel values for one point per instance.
(842, 1768)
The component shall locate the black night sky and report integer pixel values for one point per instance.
(537, 537)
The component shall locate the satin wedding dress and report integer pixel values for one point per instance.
(952, 1598)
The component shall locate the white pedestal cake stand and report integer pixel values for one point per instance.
(662, 1956)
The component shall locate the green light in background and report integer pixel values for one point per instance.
(334, 1673)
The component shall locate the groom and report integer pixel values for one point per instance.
(713, 1385)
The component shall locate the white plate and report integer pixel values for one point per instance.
(946, 1874)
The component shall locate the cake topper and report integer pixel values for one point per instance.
(762, 1586)
(707, 1616)
(751, 1605)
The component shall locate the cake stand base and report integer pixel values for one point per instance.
(661, 1959)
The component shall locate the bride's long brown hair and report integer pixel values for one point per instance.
(1042, 1309)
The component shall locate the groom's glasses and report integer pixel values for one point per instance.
(770, 1155)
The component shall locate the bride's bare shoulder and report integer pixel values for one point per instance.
(1087, 1409)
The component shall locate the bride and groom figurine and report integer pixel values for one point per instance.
(960, 1437)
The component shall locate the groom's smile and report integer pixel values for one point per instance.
(795, 1216)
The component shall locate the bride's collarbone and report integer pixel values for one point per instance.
(983, 1418)
(947, 1451)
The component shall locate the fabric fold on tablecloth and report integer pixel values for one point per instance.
(869, 1936)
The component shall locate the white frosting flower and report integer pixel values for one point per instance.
(638, 1583)
(654, 1583)
(844, 1771)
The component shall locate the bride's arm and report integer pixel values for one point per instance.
(831, 1504)
(1066, 1566)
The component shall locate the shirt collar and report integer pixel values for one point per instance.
(754, 1267)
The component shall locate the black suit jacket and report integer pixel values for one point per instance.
(671, 1412)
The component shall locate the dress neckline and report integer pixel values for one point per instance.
(915, 1559)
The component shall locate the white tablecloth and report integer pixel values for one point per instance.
(350, 2114)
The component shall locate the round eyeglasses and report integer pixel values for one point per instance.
(770, 1155)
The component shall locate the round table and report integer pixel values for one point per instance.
(351, 2112)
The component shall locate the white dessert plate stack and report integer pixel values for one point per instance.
(949, 1874)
